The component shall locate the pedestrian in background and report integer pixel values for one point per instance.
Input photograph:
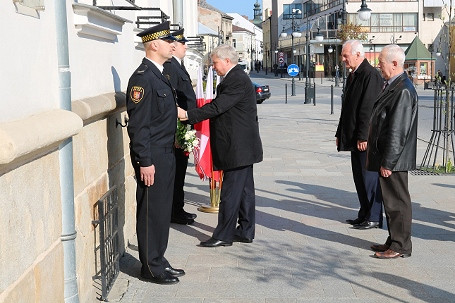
(392, 148)
(175, 71)
(236, 146)
(362, 88)
(151, 107)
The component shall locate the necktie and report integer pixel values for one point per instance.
(386, 83)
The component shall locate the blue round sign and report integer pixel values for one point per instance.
(293, 70)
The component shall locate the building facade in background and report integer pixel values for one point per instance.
(396, 22)
(62, 146)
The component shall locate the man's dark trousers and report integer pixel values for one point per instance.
(237, 201)
(181, 164)
(398, 209)
(368, 188)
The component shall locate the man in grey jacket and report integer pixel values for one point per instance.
(392, 145)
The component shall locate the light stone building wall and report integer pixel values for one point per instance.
(103, 53)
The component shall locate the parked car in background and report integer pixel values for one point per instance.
(262, 92)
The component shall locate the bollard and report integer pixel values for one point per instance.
(321, 78)
(285, 93)
(331, 99)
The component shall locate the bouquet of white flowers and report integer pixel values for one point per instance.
(185, 138)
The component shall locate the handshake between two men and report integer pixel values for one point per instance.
(181, 114)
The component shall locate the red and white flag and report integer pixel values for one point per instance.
(203, 156)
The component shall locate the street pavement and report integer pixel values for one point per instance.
(303, 251)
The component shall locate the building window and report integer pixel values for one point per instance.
(234, 43)
(428, 17)
(410, 22)
(423, 68)
(287, 11)
(387, 22)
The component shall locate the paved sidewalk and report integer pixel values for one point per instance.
(303, 250)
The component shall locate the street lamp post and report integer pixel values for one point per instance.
(319, 37)
(307, 60)
(343, 21)
(330, 50)
(295, 34)
(372, 51)
(337, 68)
(431, 49)
(276, 63)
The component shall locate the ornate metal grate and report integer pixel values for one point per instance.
(422, 172)
(107, 245)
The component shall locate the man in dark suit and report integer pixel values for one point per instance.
(363, 86)
(151, 107)
(236, 146)
(392, 148)
(177, 74)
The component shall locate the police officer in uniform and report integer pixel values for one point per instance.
(177, 74)
(151, 107)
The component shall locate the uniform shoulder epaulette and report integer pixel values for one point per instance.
(141, 69)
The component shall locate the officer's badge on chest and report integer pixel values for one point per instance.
(136, 94)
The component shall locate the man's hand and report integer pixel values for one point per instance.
(361, 145)
(181, 113)
(147, 175)
(385, 172)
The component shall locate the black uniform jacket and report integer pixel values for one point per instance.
(152, 112)
(392, 138)
(234, 129)
(361, 91)
(181, 81)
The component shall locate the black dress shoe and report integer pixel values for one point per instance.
(214, 243)
(181, 219)
(366, 225)
(189, 215)
(242, 239)
(174, 271)
(163, 278)
(355, 221)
